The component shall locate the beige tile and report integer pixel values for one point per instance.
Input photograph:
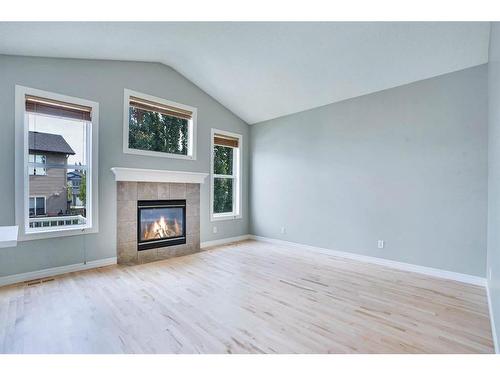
(177, 191)
(193, 225)
(126, 232)
(181, 250)
(166, 252)
(193, 241)
(196, 243)
(192, 209)
(126, 191)
(127, 211)
(193, 194)
(147, 190)
(127, 253)
(164, 190)
(146, 256)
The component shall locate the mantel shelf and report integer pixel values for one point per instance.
(157, 175)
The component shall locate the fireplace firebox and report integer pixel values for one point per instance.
(160, 223)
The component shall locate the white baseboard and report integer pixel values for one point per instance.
(492, 321)
(469, 279)
(48, 272)
(224, 241)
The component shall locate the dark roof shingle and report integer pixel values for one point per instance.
(49, 143)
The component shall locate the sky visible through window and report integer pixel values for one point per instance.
(73, 132)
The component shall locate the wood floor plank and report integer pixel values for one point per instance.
(247, 297)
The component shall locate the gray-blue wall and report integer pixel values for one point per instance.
(407, 165)
(103, 82)
(493, 268)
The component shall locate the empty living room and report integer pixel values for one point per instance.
(247, 186)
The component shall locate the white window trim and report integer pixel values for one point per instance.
(192, 125)
(238, 191)
(21, 167)
(44, 203)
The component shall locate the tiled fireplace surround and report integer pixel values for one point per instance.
(128, 193)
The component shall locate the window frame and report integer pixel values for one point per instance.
(36, 162)
(238, 189)
(192, 125)
(34, 201)
(22, 172)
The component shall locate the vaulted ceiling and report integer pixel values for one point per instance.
(265, 70)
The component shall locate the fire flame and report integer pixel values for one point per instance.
(160, 229)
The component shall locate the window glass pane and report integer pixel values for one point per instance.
(57, 156)
(39, 159)
(223, 195)
(40, 206)
(223, 160)
(153, 131)
(77, 191)
(57, 143)
(64, 204)
(32, 206)
(37, 171)
(51, 137)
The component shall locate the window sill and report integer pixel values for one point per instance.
(223, 217)
(34, 235)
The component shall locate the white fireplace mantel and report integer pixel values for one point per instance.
(157, 175)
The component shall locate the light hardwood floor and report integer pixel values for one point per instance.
(248, 297)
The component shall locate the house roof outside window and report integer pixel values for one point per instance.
(46, 142)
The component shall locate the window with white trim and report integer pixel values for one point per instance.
(37, 206)
(56, 139)
(225, 175)
(158, 127)
(35, 159)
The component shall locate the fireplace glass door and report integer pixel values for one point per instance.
(161, 223)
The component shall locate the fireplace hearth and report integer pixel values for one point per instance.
(160, 223)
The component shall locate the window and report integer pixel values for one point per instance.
(158, 127)
(225, 175)
(56, 140)
(35, 161)
(37, 206)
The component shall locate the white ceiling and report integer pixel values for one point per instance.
(265, 70)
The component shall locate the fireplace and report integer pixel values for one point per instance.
(134, 197)
(160, 223)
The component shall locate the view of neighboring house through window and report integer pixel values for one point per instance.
(226, 175)
(158, 127)
(57, 163)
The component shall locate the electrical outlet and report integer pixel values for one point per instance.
(214, 229)
(380, 244)
(283, 230)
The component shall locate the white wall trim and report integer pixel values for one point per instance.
(224, 241)
(492, 321)
(237, 173)
(8, 236)
(444, 274)
(157, 175)
(21, 177)
(48, 272)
